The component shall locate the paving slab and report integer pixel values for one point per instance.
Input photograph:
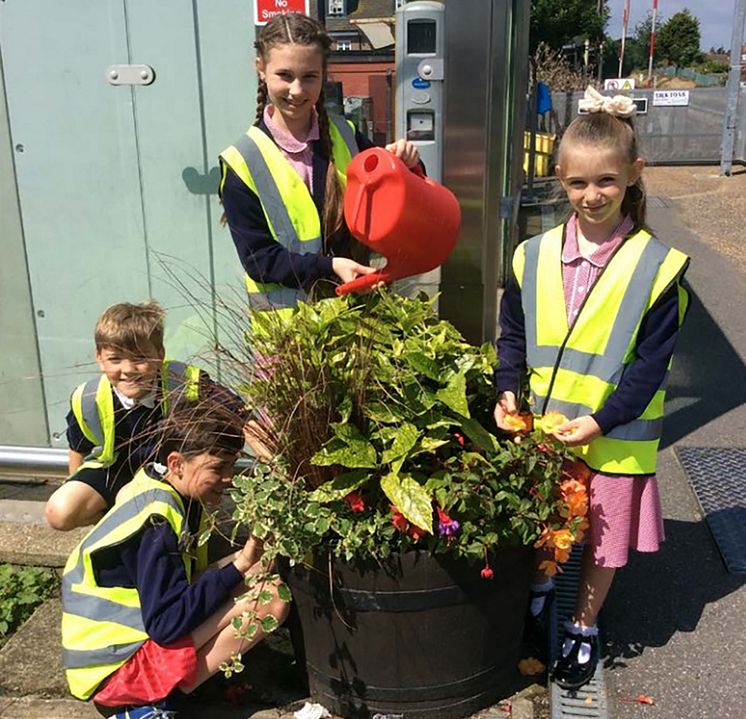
(34, 543)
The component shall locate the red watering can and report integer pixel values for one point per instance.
(408, 218)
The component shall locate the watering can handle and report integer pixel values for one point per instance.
(417, 169)
(363, 283)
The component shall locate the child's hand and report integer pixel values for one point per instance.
(348, 270)
(506, 405)
(257, 439)
(578, 431)
(406, 151)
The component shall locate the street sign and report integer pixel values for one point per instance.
(619, 83)
(671, 98)
(265, 10)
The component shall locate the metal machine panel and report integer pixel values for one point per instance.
(484, 68)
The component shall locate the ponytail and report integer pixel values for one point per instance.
(261, 100)
(332, 213)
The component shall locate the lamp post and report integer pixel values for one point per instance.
(730, 122)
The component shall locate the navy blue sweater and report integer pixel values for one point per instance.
(262, 257)
(655, 342)
(152, 563)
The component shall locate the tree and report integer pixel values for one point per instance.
(679, 39)
(559, 22)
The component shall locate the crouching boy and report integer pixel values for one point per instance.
(112, 420)
(138, 626)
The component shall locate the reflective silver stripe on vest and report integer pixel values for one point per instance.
(608, 366)
(269, 196)
(89, 410)
(277, 299)
(99, 609)
(638, 429)
(348, 134)
(82, 658)
(528, 299)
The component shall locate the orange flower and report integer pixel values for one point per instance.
(561, 555)
(550, 422)
(530, 666)
(562, 539)
(519, 422)
(549, 567)
(575, 499)
(544, 538)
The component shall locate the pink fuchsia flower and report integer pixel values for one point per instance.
(459, 438)
(355, 501)
(398, 519)
(447, 526)
(487, 573)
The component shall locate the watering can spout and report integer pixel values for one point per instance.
(398, 213)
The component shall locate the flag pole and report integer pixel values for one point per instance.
(652, 40)
(625, 21)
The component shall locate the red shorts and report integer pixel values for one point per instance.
(150, 674)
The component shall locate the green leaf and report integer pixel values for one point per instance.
(269, 624)
(340, 486)
(284, 593)
(348, 452)
(405, 439)
(454, 395)
(410, 498)
(479, 435)
(424, 365)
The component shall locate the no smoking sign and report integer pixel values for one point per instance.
(267, 9)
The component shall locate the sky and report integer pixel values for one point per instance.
(715, 17)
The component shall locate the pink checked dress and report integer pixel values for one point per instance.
(624, 511)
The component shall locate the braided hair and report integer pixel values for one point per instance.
(299, 29)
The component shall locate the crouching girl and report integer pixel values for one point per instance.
(139, 626)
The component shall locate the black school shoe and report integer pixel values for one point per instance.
(568, 672)
(536, 628)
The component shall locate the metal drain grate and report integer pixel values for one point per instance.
(718, 476)
(589, 701)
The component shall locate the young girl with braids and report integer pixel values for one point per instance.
(592, 315)
(282, 183)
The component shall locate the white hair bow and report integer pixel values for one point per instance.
(619, 105)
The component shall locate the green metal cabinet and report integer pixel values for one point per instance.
(114, 187)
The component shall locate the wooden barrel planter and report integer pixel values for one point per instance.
(418, 637)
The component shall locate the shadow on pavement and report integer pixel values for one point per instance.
(703, 384)
(659, 594)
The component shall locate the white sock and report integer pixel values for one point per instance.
(539, 595)
(584, 653)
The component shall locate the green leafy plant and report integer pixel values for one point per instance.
(22, 590)
(378, 417)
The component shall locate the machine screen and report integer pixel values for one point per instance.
(421, 37)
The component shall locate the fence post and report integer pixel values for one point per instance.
(732, 89)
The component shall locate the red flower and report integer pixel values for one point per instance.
(356, 502)
(459, 438)
(487, 573)
(416, 533)
(399, 520)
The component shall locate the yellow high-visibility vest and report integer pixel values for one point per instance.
(573, 369)
(102, 627)
(92, 404)
(292, 216)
